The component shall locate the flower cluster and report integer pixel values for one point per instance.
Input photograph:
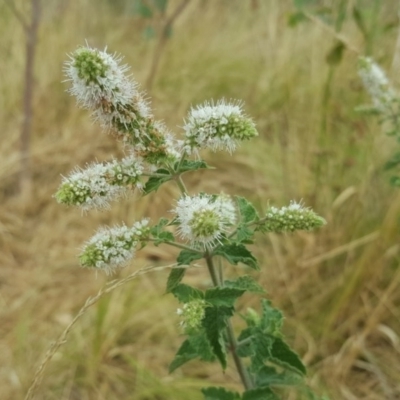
(192, 313)
(97, 185)
(217, 126)
(100, 83)
(376, 83)
(204, 218)
(291, 218)
(112, 248)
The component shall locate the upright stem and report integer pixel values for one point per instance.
(244, 375)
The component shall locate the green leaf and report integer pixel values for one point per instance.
(185, 353)
(260, 394)
(155, 182)
(224, 297)
(271, 319)
(269, 376)
(185, 293)
(283, 355)
(185, 257)
(237, 253)
(244, 234)
(190, 165)
(215, 324)
(261, 347)
(195, 346)
(159, 234)
(246, 349)
(246, 283)
(247, 211)
(202, 346)
(335, 55)
(174, 278)
(219, 393)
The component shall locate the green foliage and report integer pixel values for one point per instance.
(237, 253)
(160, 235)
(263, 393)
(218, 393)
(185, 257)
(174, 278)
(245, 283)
(154, 182)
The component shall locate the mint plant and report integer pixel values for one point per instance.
(214, 228)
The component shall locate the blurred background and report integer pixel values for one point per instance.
(294, 64)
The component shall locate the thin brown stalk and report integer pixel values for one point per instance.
(162, 41)
(109, 287)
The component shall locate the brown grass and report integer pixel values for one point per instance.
(339, 287)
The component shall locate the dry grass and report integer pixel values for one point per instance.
(339, 287)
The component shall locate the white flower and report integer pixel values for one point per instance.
(97, 185)
(291, 218)
(204, 218)
(217, 126)
(113, 247)
(376, 83)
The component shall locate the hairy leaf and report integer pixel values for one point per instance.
(247, 283)
(283, 355)
(185, 293)
(185, 257)
(174, 278)
(225, 297)
(237, 253)
(246, 210)
(260, 394)
(219, 393)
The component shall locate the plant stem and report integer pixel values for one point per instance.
(180, 184)
(244, 375)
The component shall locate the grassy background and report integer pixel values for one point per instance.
(339, 287)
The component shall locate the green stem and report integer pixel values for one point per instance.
(181, 185)
(243, 373)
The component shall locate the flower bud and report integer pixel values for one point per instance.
(192, 313)
(218, 127)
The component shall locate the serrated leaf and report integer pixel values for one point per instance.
(271, 319)
(202, 346)
(190, 165)
(214, 324)
(335, 55)
(244, 234)
(261, 346)
(185, 257)
(195, 346)
(247, 211)
(246, 349)
(284, 356)
(219, 393)
(155, 182)
(269, 376)
(224, 297)
(159, 234)
(237, 253)
(174, 278)
(260, 394)
(185, 293)
(246, 283)
(185, 353)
